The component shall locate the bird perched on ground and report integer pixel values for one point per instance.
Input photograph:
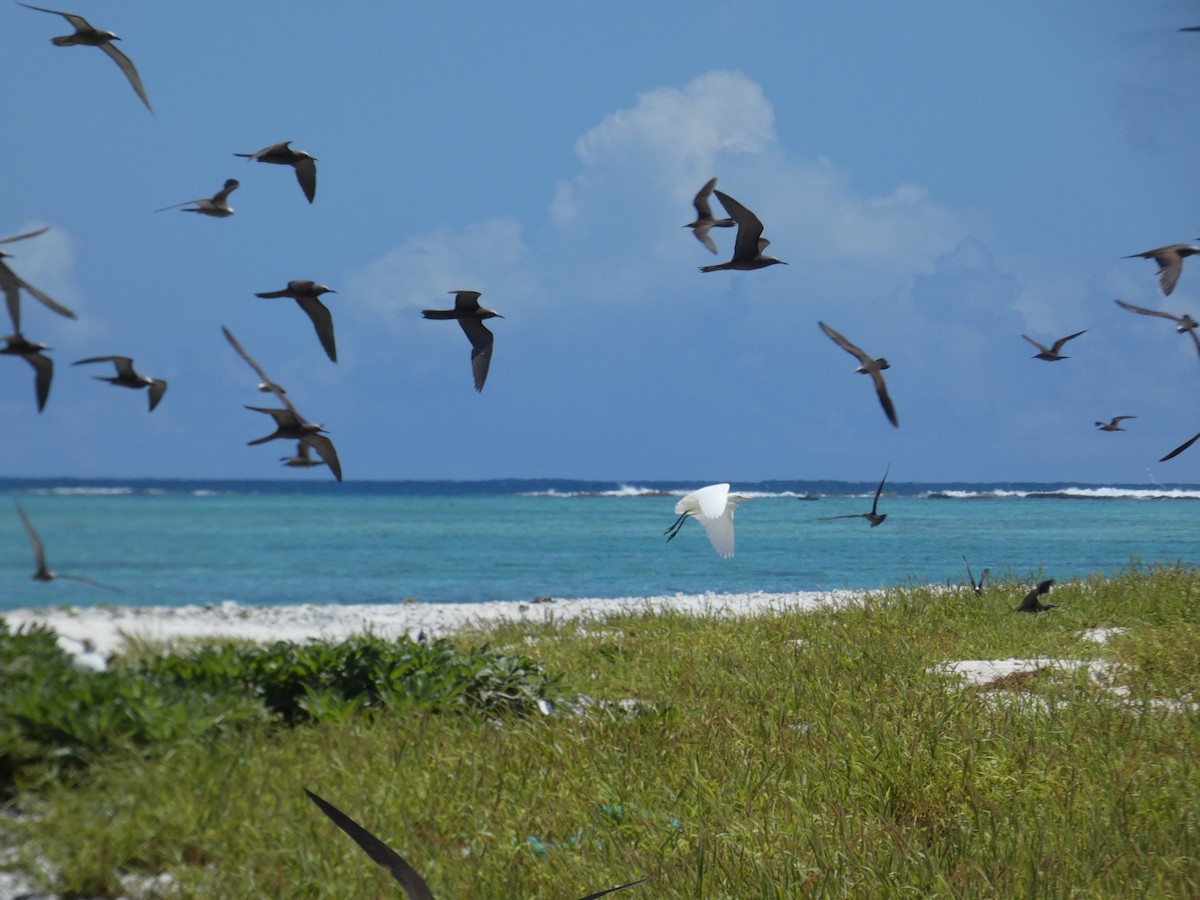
(713, 508)
(412, 883)
(87, 36)
(1051, 354)
(1184, 324)
(976, 586)
(1181, 447)
(11, 284)
(128, 378)
(289, 423)
(216, 206)
(867, 366)
(306, 294)
(1113, 425)
(303, 458)
(43, 366)
(1031, 604)
(470, 316)
(1170, 263)
(283, 155)
(704, 217)
(873, 516)
(749, 245)
(43, 572)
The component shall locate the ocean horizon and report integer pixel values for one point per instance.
(175, 542)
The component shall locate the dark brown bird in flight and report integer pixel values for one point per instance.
(283, 155)
(306, 294)
(867, 366)
(43, 572)
(749, 245)
(704, 217)
(216, 206)
(470, 316)
(1114, 425)
(1170, 263)
(43, 366)
(1051, 354)
(873, 516)
(1184, 324)
(126, 377)
(87, 36)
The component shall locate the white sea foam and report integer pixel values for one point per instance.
(1070, 493)
(83, 491)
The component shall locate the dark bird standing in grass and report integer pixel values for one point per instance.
(704, 217)
(87, 36)
(976, 586)
(412, 883)
(128, 378)
(216, 206)
(11, 283)
(289, 424)
(873, 516)
(43, 366)
(1114, 425)
(1051, 354)
(1031, 604)
(282, 154)
(43, 572)
(868, 366)
(749, 245)
(470, 316)
(306, 294)
(1170, 263)
(1184, 324)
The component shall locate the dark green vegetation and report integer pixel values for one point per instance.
(817, 754)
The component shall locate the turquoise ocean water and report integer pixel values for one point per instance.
(256, 542)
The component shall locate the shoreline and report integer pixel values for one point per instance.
(106, 626)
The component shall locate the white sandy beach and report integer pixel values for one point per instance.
(108, 626)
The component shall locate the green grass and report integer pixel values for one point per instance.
(815, 754)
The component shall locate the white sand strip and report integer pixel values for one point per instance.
(106, 626)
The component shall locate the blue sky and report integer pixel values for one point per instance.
(941, 178)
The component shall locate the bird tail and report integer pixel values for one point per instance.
(712, 268)
(439, 313)
(66, 41)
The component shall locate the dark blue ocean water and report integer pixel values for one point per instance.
(184, 542)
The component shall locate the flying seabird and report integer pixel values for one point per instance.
(749, 245)
(288, 422)
(712, 507)
(1113, 425)
(282, 154)
(306, 294)
(1183, 324)
(128, 378)
(873, 516)
(976, 586)
(412, 883)
(43, 366)
(1181, 447)
(43, 573)
(868, 366)
(216, 206)
(704, 217)
(87, 36)
(11, 283)
(1051, 354)
(1031, 604)
(1170, 263)
(303, 458)
(470, 317)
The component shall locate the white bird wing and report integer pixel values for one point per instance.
(712, 500)
(720, 532)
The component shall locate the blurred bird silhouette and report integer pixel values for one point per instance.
(1051, 354)
(216, 206)
(867, 366)
(128, 378)
(43, 366)
(704, 217)
(282, 154)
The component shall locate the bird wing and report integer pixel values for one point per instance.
(750, 229)
(28, 234)
(702, 235)
(1117, 419)
(273, 294)
(184, 203)
(380, 852)
(158, 387)
(47, 300)
(1030, 603)
(879, 490)
(327, 452)
(11, 285)
(1169, 269)
(481, 339)
(284, 418)
(970, 577)
(306, 174)
(622, 887)
(39, 552)
(1058, 345)
(44, 367)
(703, 208)
(322, 321)
(847, 516)
(720, 532)
(231, 185)
(79, 23)
(1181, 448)
(275, 389)
(846, 345)
(130, 72)
(124, 364)
(80, 578)
(712, 501)
(884, 400)
(1042, 347)
(1195, 338)
(1148, 312)
(466, 301)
